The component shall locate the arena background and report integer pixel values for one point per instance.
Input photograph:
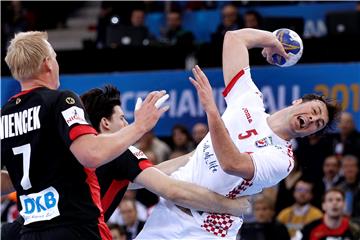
(96, 45)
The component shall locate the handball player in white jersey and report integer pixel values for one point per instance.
(246, 149)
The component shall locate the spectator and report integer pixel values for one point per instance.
(141, 210)
(334, 225)
(117, 232)
(347, 141)
(9, 211)
(132, 223)
(252, 19)
(134, 34)
(174, 34)
(231, 20)
(181, 139)
(265, 226)
(16, 19)
(149, 142)
(199, 131)
(351, 186)
(109, 9)
(331, 170)
(301, 212)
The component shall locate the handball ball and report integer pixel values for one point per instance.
(293, 45)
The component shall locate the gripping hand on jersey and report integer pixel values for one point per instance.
(203, 89)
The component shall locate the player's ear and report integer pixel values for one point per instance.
(47, 64)
(297, 101)
(104, 124)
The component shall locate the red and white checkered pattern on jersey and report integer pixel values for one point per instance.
(219, 224)
(239, 189)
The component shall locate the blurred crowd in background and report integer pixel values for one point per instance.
(323, 162)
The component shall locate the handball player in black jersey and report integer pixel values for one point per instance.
(50, 149)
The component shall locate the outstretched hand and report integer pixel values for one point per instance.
(203, 89)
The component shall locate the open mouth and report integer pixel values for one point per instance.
(302, 122)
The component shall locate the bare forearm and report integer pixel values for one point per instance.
(6, 184)
(187, 194)
(170, 166)
(252, 38)
(228, 155)
(202, 199)
(103, 148)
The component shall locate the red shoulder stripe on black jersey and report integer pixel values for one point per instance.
(144, 164)
(322, 230)
(80, 130)
(232, 83)
(93, 183)
(23, 93)
(114, 188)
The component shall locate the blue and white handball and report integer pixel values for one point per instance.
(293, 46)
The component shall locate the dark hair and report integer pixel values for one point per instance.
(257, 16)
(183, 129)
(334, 189)
(100, 102)
(332, 106)
(117, 227)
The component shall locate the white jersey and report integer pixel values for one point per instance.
(246, 122)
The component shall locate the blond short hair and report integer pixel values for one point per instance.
(26, 52)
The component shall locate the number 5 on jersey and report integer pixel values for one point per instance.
(25, 150)
(247, 134)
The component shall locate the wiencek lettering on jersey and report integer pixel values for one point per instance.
(40, 206)
(74, 115)
(19, 123)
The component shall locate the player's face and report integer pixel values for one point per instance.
(54, 68)
(333, 204)
(117, 120)
(307, 118)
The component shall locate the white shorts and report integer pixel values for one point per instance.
(169, 222)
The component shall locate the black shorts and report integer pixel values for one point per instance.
(73, 232)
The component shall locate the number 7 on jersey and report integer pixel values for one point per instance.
(25, 150)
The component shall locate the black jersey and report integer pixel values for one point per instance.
(53, 188)
(115, 176)
(317, 230)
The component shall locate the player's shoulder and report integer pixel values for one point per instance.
(50, 95)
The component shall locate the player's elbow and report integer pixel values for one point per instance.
(90, 159)
(242, 166)
(241, 36)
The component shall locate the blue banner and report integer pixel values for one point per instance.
(280, 86)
